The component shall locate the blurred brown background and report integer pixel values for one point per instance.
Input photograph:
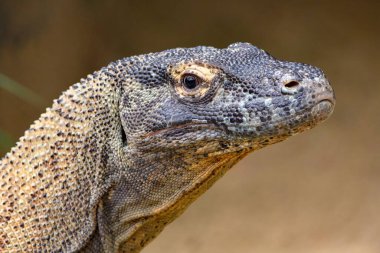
(317, 192)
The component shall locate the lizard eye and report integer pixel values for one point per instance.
(190, 82)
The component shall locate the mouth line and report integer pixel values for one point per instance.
(320, 99)
(330, 101)
(325, 98)
(212, 126)
(181, 126)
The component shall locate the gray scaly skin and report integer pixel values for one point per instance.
(123, 152)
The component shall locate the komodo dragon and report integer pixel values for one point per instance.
(123, 152)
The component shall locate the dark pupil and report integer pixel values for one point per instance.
(190, 82)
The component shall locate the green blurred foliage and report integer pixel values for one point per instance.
(20, 91)
(25, 94)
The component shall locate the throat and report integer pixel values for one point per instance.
(138, 207)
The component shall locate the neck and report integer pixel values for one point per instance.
(57, 171)
(134, 212)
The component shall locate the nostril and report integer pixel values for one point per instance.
(291, 84)
(290, 87)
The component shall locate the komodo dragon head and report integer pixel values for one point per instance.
(122, 153)
(189, 114)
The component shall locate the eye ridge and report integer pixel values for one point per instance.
(190, 81)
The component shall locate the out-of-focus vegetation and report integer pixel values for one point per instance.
(22, 92)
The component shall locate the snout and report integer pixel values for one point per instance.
(309, 84)
(323, 99)
(315, 91)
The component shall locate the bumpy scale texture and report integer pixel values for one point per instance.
(123, 152)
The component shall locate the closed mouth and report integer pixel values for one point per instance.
(326, 97)
(324, 106)
(180, 128)
(322, 109)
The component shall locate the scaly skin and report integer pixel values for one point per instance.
(122, 153)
